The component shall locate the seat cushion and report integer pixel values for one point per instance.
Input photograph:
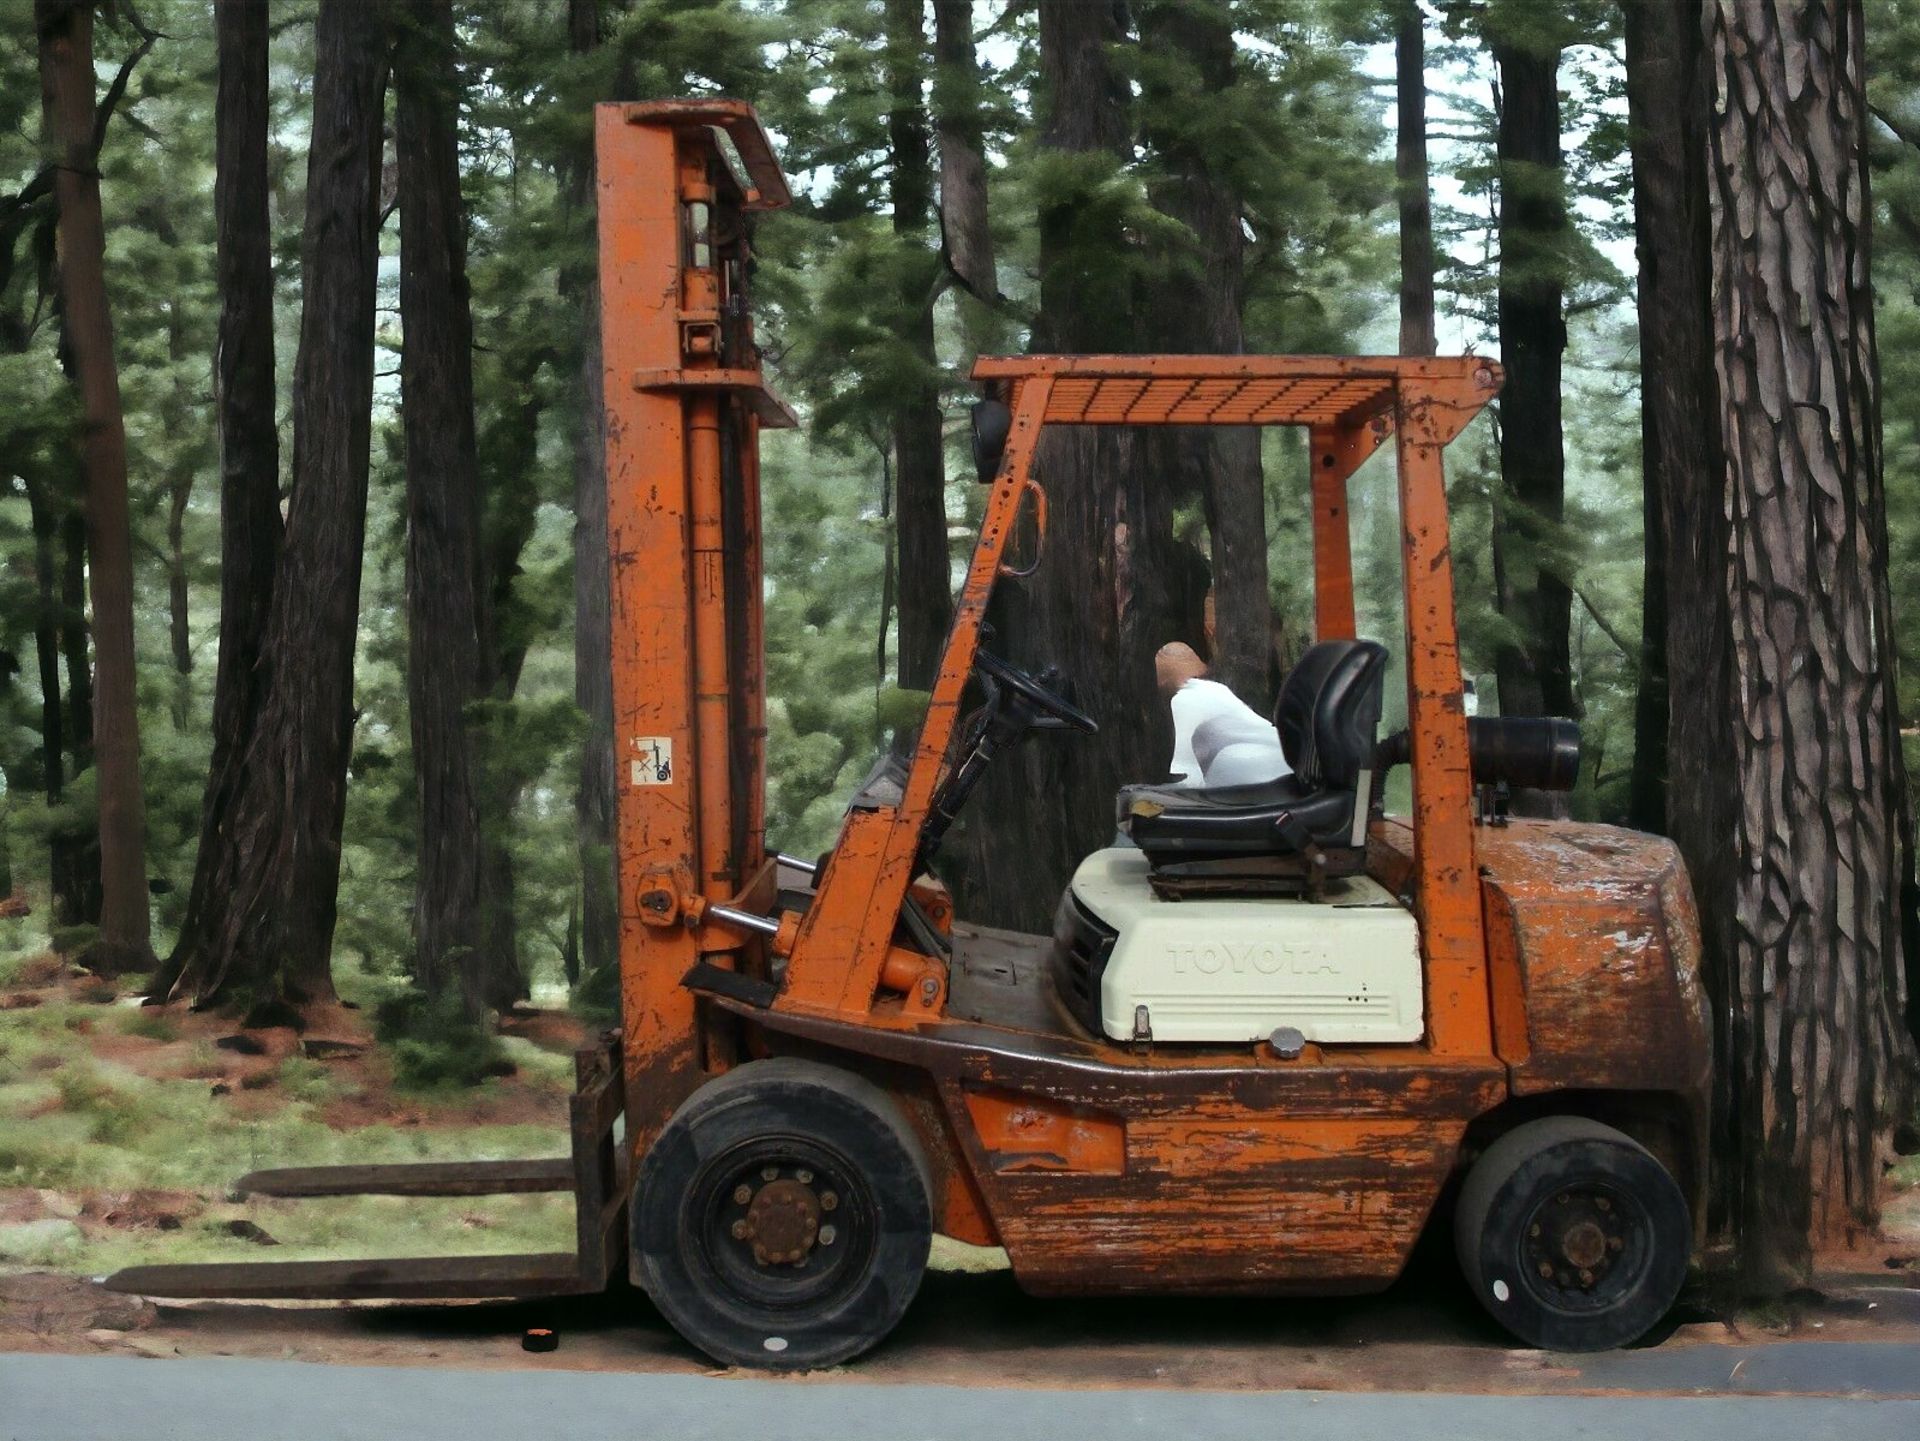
(1231, 820)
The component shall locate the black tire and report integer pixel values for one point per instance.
(1573, 1236)
(828, 1181)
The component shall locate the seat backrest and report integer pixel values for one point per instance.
(1328, 710)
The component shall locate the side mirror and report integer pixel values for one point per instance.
(992, 424)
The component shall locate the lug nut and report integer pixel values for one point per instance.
(1602, 1203)
(741, 1230)
(770, 1173)
(1546, 1270)
(827, 1235)
(1534, 1231)
(742, 1194)
(803, 1176)
(828, 1200)
(1586, 1277)
(1613, 1243)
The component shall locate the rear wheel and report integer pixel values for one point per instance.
(1573, 1235)
(782, 1218)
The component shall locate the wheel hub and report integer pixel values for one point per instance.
(782, 1222)
(1575, 1239)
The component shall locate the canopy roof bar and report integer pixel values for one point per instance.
(1329, 391)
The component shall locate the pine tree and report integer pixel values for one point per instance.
(1535, 667)
(277, 891)
(1188, 76)
(1410, 172)
(919, 464)
(67, 91)
(1821, 1066)
(447, 594)
(245, 406)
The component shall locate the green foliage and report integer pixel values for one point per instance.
(1298, 134)
(435, 1046)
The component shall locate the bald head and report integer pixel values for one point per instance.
(1174, 664)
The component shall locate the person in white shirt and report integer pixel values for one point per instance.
(1218, 739)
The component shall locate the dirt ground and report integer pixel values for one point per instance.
(1424, 1335)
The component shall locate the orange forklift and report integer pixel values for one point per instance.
(1270, 1031)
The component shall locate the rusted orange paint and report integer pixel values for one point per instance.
(685, 581)
(1593, 946)
(1098, 1167)
(1334, 454)
(1023, 1133)
(1446, 888)
(1506, 979)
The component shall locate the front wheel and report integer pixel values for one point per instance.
(1573, 1235)
(782, 1218)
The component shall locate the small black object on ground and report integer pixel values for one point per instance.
(540, 1338)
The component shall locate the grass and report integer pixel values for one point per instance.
(74, 1122)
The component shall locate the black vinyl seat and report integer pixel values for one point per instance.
(1289, 833)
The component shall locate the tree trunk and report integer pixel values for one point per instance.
(1113, 585)
(507, 524)
(1682, 783)
(273, 897)
(46, 644)
(920, 473)
(67, 98)
(244, 404)
(1534, 667)
(1410, 173)
(76, 838)
(179, 613)
(964, 229)
(1199, 310)
(1822, 1067)
(74, 634)
(446, 596)
(592, 580)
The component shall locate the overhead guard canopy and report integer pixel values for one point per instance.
(1326, 391)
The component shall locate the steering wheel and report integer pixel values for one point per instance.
(1037, 694)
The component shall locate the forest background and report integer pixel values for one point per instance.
(362, 554)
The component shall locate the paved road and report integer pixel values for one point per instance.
(114, 1398)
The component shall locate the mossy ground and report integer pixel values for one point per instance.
(123, 1128)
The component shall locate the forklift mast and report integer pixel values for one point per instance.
(679, 183)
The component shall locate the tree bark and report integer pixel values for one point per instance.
(179, 603)
(1198, 309)
(1822, 1066)
(1113, 585)
(244, 405)
(1410, 173)
(592, 580)
(446, 594)
(67, 98)
(1682, 782)
(46, 645)
(965, 231)
(924, 571)
(274, 897)
(1535, 666)
(508, 519)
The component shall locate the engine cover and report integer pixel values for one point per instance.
(1343, 969)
